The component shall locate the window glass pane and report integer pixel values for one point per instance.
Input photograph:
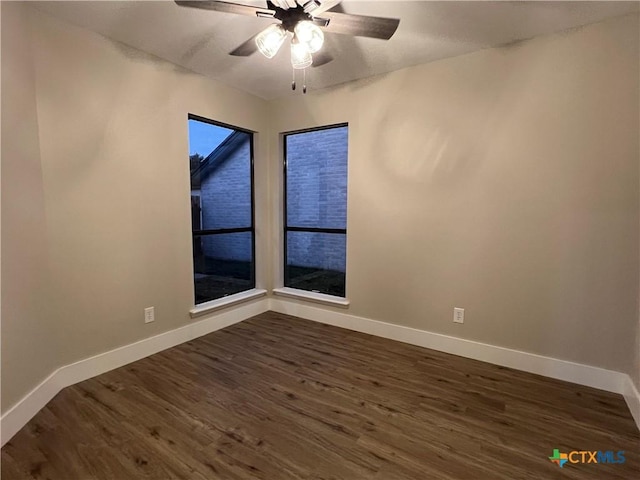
(221, 198)
(316, 262)
(317, 178)
(223, 264)
(220, 163)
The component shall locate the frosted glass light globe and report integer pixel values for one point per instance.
(309, 34)
(270, 40)
(300, 56)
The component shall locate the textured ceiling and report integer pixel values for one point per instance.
(199, 40)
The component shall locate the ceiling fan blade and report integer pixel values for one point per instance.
(361, 25)
(317, 7)
(245, 49)
(227, 7)
(284, 4)
(321, 58)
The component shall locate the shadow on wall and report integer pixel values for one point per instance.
(421, 136)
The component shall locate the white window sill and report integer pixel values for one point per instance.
(224, 302)
(312, 296)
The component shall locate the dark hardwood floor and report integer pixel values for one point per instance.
(276, 397)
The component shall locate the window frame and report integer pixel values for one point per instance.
(286, 227)
(221, 231)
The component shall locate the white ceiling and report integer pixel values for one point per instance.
(199, 40)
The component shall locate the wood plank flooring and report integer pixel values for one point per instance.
(276, 397)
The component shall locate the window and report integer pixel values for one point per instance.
(221, 166)
(315, 209)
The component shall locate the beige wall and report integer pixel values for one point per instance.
(28, 328)
(112, 171)
(504, 182)
(635, 369)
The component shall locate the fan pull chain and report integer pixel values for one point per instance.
(304, 80)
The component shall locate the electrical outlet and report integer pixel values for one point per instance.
(458, 315)
(149, 315)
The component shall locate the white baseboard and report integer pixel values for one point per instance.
(23, 411)
(587, 375)
(18, 416)
(632, 398)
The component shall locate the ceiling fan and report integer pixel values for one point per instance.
(305, 22)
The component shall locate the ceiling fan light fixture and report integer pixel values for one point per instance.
(309, 34)
(270, 40)
(300, 55)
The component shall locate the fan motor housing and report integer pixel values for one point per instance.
(290, 17)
